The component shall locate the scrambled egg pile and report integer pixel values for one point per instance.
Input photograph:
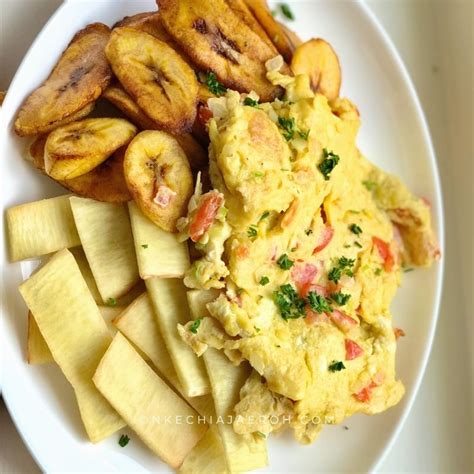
(302, 241)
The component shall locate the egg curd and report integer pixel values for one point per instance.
(301, 242)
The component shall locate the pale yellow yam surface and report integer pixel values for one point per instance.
(40, 227)
(138, 323)
(144, 400)
(207, 456)
(37, 351)
(169, 301)
(81, 260)
(242, 454)
(106, 237)
(159, 253)
(76, 335)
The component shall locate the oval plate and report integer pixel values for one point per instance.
(394, 135)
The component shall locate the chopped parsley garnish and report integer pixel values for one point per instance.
(111, 302)
(214, 85)
(284, 262)
(353, 211)
(355, 229)
(264, 215)
(357, 244)
(303, 135)
(378, 271)
(262, 435)
(291, 306)
(286, 10)
(308, 231)
(259, 174)
(252, 232)
(370, 185)
(264, 281)
(344, 265)
(288, 127)
(144, 246)
(250, 102)
(406, 270)
(336, 366)
(123, 441)
(195, 325)
(340, 298)
(318, 303)
(328, 164)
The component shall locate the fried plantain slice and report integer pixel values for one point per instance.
(275, 30)
(77, 148)
(156, 77)
(293, 37)
(195, 153)
(240, 8)
(77, 80)
(158, 177)
(105, 183)
(217, 39)
(317, 58)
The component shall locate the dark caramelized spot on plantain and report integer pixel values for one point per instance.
(200, 25)
(224, 46)
(75, 78)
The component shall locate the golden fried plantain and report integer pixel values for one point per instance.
(275, 31)
(77, 80)
(2, 96)
(293, 37)
(240, 8)
(104, 183)
(77, 148)
(158, 177)
(197, 156)
(217, 39)
(156, 77)
(317, 58)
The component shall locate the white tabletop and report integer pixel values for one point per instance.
(435, 39)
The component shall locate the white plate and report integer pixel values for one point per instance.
(394, 135)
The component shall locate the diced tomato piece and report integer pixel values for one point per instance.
(303, 276)
(242, 251)
(342, 321)
(353, 350)
(324, 239)
(312, 317)
(365, 394)
(398, 333)
(205, 215)
(204, 114)
(318, 289)
(385, 253)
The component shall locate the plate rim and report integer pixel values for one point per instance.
(390, 47)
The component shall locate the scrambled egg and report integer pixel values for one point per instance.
(302, 259)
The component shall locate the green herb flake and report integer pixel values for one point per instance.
(343, 266)
(264, 216)
(340, 298)
(357, 244)
(345, 262)
(250, 102)
(195, 325)
(252, 232)
(286, 10)
(144, 246)
(123, 441)
(335, 274)
(329, 163)
(336, 366)
(407, 270)
(284, 262)
(291, 306)
(370, 185)
(353, 211)
(258, 174)
(308, 231)
(111, 302)
(288, 127)
(303, 135)
(355, 229)
(262, 435)
(378, 271)
(214, 85)
(318, 303)
(264, 281)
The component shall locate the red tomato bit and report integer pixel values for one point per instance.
(205, 215)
